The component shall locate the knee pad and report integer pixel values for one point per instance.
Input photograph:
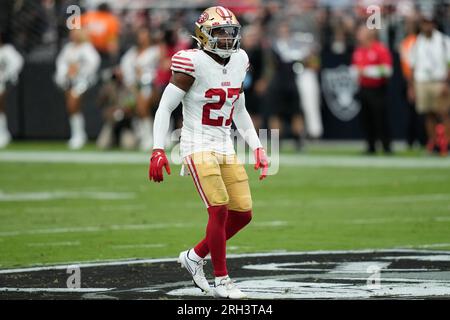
(241, 199)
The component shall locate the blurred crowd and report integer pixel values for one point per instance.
(126, 50)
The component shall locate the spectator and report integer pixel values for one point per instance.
(415, 123)
(76, 68)
(429, 83)
(119, 106)
(103, 29)
(283, 98)
(255, 83)
(11, 63)
(138, 66)
(171, 44)
(373, 64)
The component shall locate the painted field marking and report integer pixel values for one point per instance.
(240, 255)
(56, 290)
(425, 246)
(56, 195)
(63, 209)
(397, 219)
(287, 160)
(116, 227)
(54, 244)
(138, 246)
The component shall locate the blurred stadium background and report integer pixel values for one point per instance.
(59, 206)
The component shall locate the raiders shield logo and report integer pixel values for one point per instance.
(339, 89)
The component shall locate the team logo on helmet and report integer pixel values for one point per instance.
(203, 17)
(218, 31)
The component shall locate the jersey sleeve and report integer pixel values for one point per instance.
(184, 61)
(247, 65)
(245, 60)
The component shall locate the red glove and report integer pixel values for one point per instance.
(262, 162)
(157, 162)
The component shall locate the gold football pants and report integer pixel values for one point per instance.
(220, 180)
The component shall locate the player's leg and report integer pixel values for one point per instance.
(239, 215)
(145, 121)
(240, 201)
(295, 112)
(380, 118)
(367, 120)
(443, 130)
(78, 134)
(5, 136)
(424, 105)
(205, 171)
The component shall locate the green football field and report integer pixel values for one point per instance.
(56, 208)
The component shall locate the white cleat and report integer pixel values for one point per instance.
(225, 288)
(195, 269)
(77, 142)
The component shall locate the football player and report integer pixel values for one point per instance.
(208, 81)
(11, 63)
(76, 68)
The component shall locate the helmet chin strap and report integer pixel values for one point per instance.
(223, 55)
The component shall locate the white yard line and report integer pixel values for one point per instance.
(426, 246)
(116, 227)
(55, 195)
(243, 255)
(97, 229)
(54, 244)
(397, 219)
(56, 290)
(139, 246)
(64, 209)
(287, 160)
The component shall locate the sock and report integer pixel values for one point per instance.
(77, 125)
(236, 221)
(218, 279)
(216, 238)
(192, 255)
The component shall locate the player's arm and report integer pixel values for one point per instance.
(179, 84)
(14, 64)
(62, 67)
(244, 124)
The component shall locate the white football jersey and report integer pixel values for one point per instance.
(139, 68)
(208, 105)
